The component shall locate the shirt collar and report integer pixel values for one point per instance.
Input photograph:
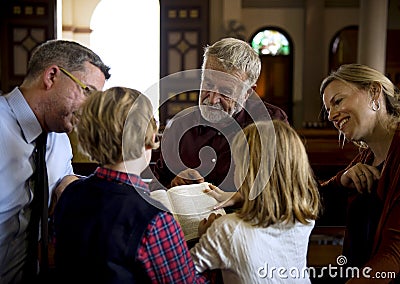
(126, 178)
(27, 120)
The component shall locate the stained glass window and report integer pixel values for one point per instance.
(270, 42)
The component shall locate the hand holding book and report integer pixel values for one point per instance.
(206, 223)
(189, 204)
(225, 199)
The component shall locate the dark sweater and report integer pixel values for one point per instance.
(190, 141)
(99, 226)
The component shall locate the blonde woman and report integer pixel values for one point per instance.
(363, 105)
(280, 203)
(106, 230)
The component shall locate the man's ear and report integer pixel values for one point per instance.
(49, 76)
(250, 91)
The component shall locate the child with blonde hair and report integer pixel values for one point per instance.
(106, 229)
(266, 240)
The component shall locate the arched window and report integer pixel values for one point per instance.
(271, 42)
(275, 84)
(343, 47)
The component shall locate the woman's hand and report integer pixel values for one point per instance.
(206, 223)
(361, 177)
(225, 199)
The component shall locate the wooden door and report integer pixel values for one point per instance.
(184, 34)
(275, 82)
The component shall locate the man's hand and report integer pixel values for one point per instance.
(188, 176)
(206, 223)
(59, 190)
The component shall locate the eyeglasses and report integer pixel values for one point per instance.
(86, 89)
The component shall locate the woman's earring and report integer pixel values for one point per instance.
(375, 105)
(344, 139)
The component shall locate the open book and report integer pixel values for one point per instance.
(189, 204)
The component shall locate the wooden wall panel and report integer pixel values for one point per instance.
(184, 32)
(24, 25)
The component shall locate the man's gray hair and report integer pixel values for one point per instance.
(236, 55)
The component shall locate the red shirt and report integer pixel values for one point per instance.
(163, 251)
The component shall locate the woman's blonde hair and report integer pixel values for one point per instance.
(363, 77)
(277, 182)
(115, 125)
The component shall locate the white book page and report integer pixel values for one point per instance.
(161, 195)
(190, 205)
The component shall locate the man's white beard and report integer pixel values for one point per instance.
(215, 113)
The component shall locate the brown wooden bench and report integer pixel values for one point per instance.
(325, 154)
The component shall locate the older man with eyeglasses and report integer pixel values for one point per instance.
(59, 77)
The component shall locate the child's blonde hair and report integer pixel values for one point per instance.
(115, 125)
(277, 182)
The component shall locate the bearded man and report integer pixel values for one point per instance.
(195, 145)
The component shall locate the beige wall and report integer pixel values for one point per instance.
(76, 16)
(292, 21)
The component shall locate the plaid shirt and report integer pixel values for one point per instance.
(162, 252)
